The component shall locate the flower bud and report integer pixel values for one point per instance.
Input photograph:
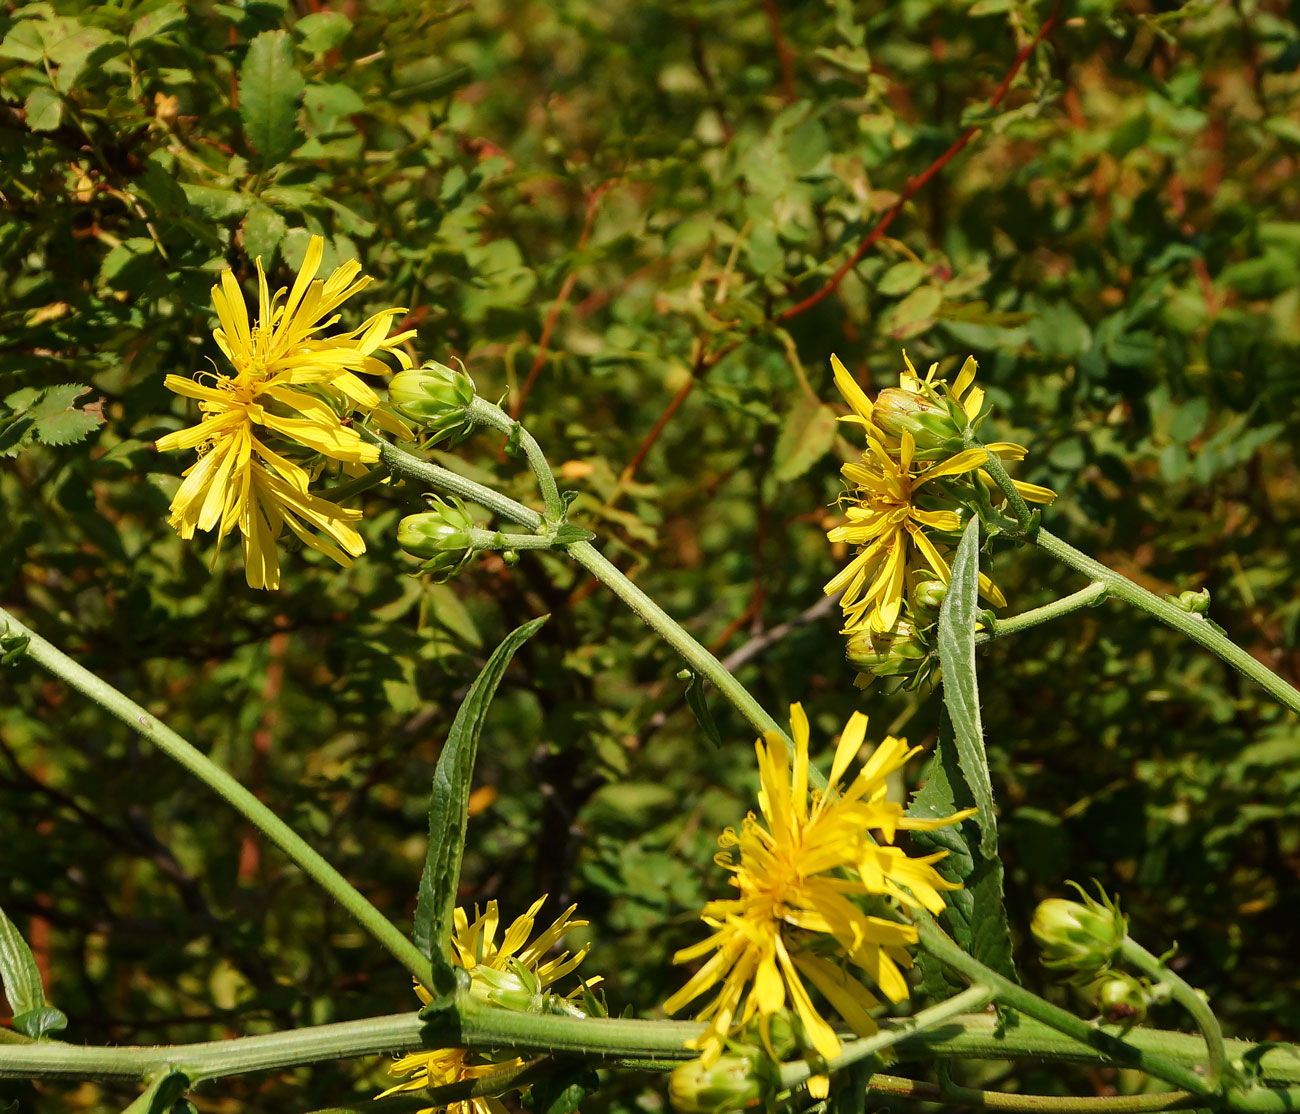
(733, 1082)
(896, 652)
(927, 421)
(517, 989)
(1120, 998)
(436, 397)
(1083, 936)
(928, 596)
(440, 534)
(1197, 603)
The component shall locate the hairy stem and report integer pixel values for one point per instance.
(972, 998)
(584, 553)
(1084, 597)
(485, 413)
(937, 943)
(1199, 630)
(230, 790)
(1187, 997)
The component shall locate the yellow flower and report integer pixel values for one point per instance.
(291, 387)
(800, 871)
(888, 524)
(511, 974)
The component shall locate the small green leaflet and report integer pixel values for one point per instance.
(161, 1095)
(960, 688)
(270, 90)
(449, 811)
(22, 985)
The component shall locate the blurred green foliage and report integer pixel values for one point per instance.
(592, 206)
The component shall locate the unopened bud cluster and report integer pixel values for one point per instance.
(1083, 937)
(441, 535)
(437, 398)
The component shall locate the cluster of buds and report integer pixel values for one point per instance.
(908, 648)
(1084, 938)
(437, 398)
(443, 535)
(745, 1076)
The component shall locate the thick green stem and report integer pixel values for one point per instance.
(1084, 597)
(495, 539)
(994, 468)
(1196, 628)
(972, 998)
(584, 553)
(485, 413)
(648, 1043)
(230, 790)
(1187, 997)
(937, 943)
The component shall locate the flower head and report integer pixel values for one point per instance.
(283, 410)
(910, 488)
(514, 975)
(803, 870)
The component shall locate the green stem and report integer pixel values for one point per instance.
(1084, 597)
(584, 553)
(994, 468)
(1187, 997)
(954, 1095)
(937, 943)
(485, 413)
(1199, 630)
(648, 1043)
(972, 998)
(230, 790)
(696, 656)
(495, 539)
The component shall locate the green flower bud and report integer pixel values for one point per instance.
(929, 422)
(1082, 936)
(1120, 998)
(440, 534)
(928, 596)
(1197, 603)
(897, 652)
(734, 1082)
(436, 397)
(517, 989)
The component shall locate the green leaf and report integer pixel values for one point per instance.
(47, 415)
(449, 810)
(14, 433)
(960, 688)
(156, 22)
(269, 90)
(44, 109)
(566, 534)
(901, 277)
(975, 916)
(22, 984)
(562, 1091)
(700, 707)
(161, 1094)
(213, 203)
(263, 228)
(806, 437)
(322, 31)
(85, 47)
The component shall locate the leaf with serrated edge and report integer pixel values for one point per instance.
(975, 916)
(269, 91)
(68, 427)
(960, 688)
(449, 811)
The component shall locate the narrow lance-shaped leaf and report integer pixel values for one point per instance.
(975, 916)
(699, 705)
(960, 688)
(22, 984)
(449, 811)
